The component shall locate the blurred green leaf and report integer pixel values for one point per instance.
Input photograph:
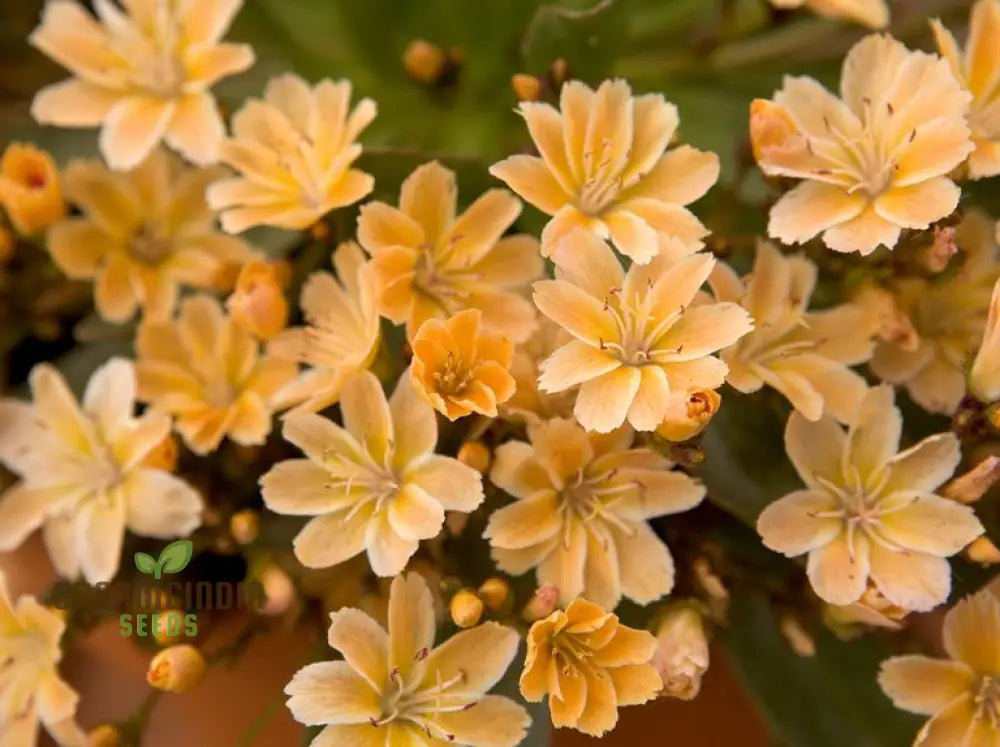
(829, 700)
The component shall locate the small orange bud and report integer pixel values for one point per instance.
(244, 526)
(424, 61)
(258, 302)
(526, 87)
(981, 550)
(970, 486)
(163, 456)
(177, 669)
(495, 592)
(278, 590)
(688, 415)
(30, 191)
(164, 622)
(7, 245)
(475, 454)
(772, 127)
(542, 604)
(559, 71)
(466, 608)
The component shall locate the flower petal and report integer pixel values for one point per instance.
(602, 404)
(331, 692)
(563, 567)
(864, 233)
(919, 684)
(911, 580)
(919, 205)
(531, 178)
(414, 424)
(574, 363)
(454, 485)
(330, 539)
(366, 414)
(645, 564)
(837, 575)
(573, 309)
(650, 404)
(873, 437)
(525, 522)
(132, 129)
(161, 505)
(100, 532)
(479, 655)
(790, 524)
(968, 630)
(949, 726)
(492, 720)
(411, 621)
(811, 208)
(362, 642)
(415, 515)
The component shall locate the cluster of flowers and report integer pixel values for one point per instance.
(598, 366)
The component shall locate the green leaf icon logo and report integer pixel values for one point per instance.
(174, 558)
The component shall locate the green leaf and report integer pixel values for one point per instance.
(590, 39)
(145, 563)
(175, 556)
(831, 699)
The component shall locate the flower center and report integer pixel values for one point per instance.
(407, 701)
(639, 334)
(454, 379)
(987, 700)
(603, 184)
(148, 246)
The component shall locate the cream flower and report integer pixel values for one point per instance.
(804, 355)
(342, 333)
(589, 664)
(143, 71)
(871, 13)
(960, 693)
(868, 511)
(31, 689)
(529, 404)
(984, 378)
(142, 235)
(979, 72)
(208, 371)
(432, 264)
(293, 151)
(397, 688)
(639, 343)
(580, 518)
(946, 322)
(374, 485)
(460, 369)
(82, 474)
(605, 167)
(873, 162)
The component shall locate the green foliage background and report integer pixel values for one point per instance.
(710, 57)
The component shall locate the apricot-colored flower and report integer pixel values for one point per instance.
(342, 333)
(984, 378)
(293, 152)
(978, 70)
(396, 688)
(804, 355)
(605, 167)
(959, 693)
(83, 477)
(432, 264)
(529, 404)
(868, 512)
(945, 321)
(31, 689)
(580, 518)
(871, 13)
(142, 235)
(639, 342)
(589, 664)
(460, 369)
(258, 299)
(374, 485)
(30, 192)
(874, 161)
(143, 71)
(208, 371)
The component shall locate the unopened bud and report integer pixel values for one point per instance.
(424, 61)
(104, 735)
(935, 258)
(871, 610)
(258, 301)
(167, 625)
(455, 522)
(681, 655)
(244, 526)
(981, 550)
(279, 591)
(320, 230)
(559, 72)
(495, 592)
(7, 244)
(886, 320)
(526, 87)
(475, 454)
(543, 603)
(30, 191)
(971, 486)
(466, 608)
(163, 456)
(773, 127)
(176, 669)
(688, 414)
(798, 639)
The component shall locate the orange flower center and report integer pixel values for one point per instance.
(407, 700)
(639, 335)
(454, 379)
(987, 700)
(149, 247)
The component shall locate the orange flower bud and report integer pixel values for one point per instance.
(495, 592)
(30, 191)
(258, 302)
(797, 637)
(244, 526)
(475, 454)
(104, 735)
(687, 416)
(526, 87)
(972, 485)
(981, 550)
(424, 61)
(466, 608)
(542, 604)
(770, 126)
(278, 590)
(176, 669)
(681, 655)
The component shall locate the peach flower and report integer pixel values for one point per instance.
(30, 190)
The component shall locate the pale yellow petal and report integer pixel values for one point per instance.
(479, 655)
(681, 176)
(428, 196)
(839, 572)
(196, 129)
(531, 178)
(864, 233)
(922, 685)
(516, 470)
(300, 487)
(645, 565)
(331, 692)
(574, 363)
(414, 424)
(909, 579)
(411, 621)
(949, 726)
(388, 552)
(545, 125)
(791, 525)
(132, 128)
(366, 414)
(579, 313)
(602, 404)
(73, 103)
(632, 235)
(381, 226)
(925, 465)
(811, 208)
(650, 404)
(927, 523)
(363, 644)
(970, 632)
(493, 720)
(873, 437)
(414, 514)
(330, 539)
(919, 205)
(563, 567)
(984, 35)
(456, 486)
